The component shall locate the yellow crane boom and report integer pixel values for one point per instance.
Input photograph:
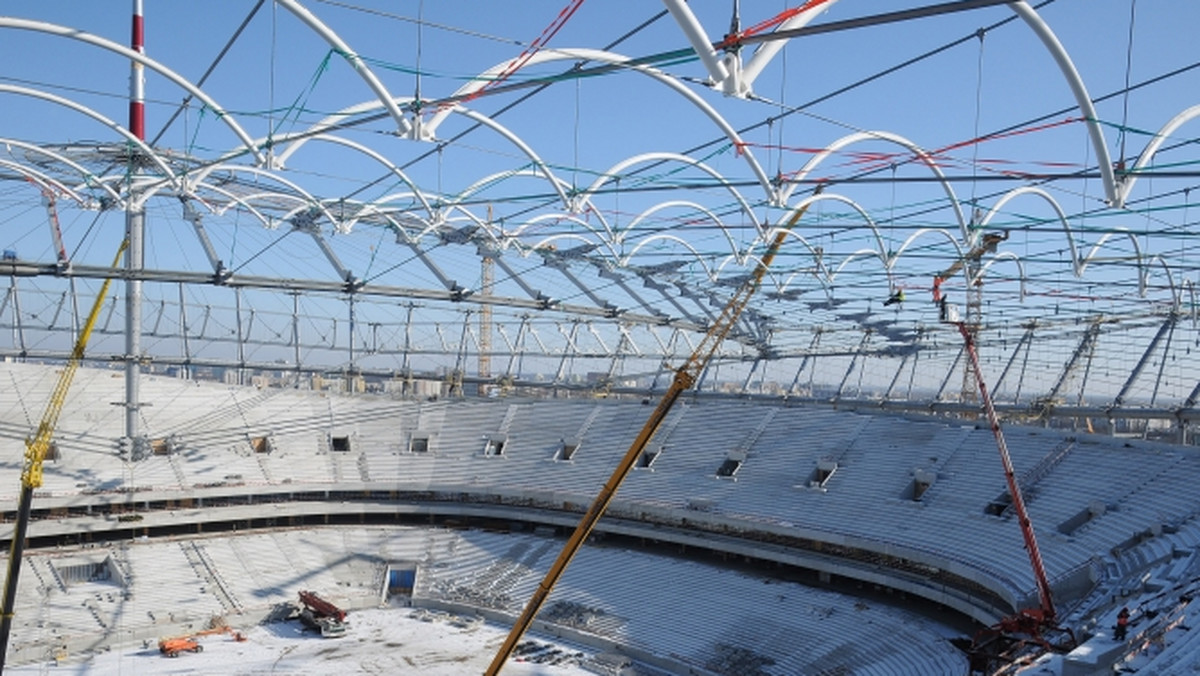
(685, 377)
(35, 454)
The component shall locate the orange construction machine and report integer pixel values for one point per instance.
(174, 645)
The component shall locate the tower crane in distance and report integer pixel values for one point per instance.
(36, 448)
(685, 377)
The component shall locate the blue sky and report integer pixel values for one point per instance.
(280, 77)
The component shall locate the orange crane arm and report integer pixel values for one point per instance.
(685, 376)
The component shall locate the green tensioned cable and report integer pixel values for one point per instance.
(665, 59)
(298, 104)
(1159, 167)
(1122, 127)
(191, 147)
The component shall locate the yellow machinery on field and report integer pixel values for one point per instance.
(36, 448)
(685, 377)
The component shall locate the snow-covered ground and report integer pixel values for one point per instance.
(394, 641)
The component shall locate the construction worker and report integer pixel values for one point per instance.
(897, 297)
(1122, 625)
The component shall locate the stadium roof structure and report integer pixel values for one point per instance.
(566, 194)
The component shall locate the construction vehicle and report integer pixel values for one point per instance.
(686, 376)
(1034, 629)
(322, 615)
(174, 645)
(36, 448)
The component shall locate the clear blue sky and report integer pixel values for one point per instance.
(280, 77)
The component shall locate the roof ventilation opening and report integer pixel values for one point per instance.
(1000, 505)
(566, 450)
(733, 462)
(340, 444)
(418, 442)
(1094, 510)
(493, 444)
(648, 456)
(922, 480)
(823, 472)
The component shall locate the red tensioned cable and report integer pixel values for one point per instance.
(533, 48)
(876, 160)
(1015, 132)
(786, 14)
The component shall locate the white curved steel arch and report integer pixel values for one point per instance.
(584, 54)
(686, 204)
(862, 253)
(925, 231)
(856, 137)
(381, 159)
(624, 261)
(1137, 248)
(554, 238)
(520, 144)
(746, 261)
(1079, 263)
(835, 197)
(1152, 147)
(335, 41)
(204, 173)
(393, 225)
(767, 50)
(302, 137)
(612, 174)
(80, 108)
(822, 274)
(43, 181)
(1062, 218)
(233, 199)
(601, 240)
(497, 177)
(1144, 280)
(375, 209)
(89, 179)
(486, 181)
(75, 34)
(1004, 255)
(1079, 90)
(395, 197)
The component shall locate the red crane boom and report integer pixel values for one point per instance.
(1002, 642)
(320, 607)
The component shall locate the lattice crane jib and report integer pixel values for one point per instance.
(685, 377)
(36, 448)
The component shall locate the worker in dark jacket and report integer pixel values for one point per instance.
(1122, 624)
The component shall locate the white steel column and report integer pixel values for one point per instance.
(135, 223)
